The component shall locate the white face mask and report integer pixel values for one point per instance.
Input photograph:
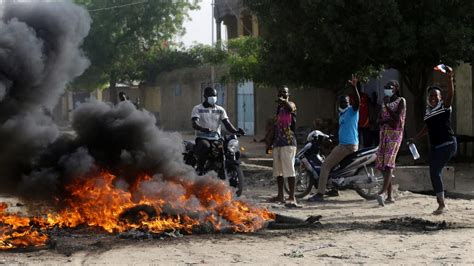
(212, 100)
(388, 93)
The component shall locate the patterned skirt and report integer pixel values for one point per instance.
(390, 141)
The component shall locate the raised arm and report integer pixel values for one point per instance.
(395, 115)
(449, 100)
(353, 82)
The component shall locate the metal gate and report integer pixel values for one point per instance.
(245, 107)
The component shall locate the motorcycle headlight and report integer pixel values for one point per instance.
(233, 146)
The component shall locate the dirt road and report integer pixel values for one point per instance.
(353, 231)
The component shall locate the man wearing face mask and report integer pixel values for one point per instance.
(348, 138)
(206, 120)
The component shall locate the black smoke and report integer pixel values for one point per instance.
(39, 55)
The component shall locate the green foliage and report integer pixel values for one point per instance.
(240, 55)
(122, 38)
(321, 42)
(244, 59)
(164, 60)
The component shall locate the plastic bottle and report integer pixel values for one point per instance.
(414, 151)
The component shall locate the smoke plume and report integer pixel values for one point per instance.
(39, 55)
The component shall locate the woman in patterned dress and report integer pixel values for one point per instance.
(392, 123)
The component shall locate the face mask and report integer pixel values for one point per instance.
(212, 100)
(388, 93)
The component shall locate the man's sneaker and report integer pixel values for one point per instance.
(332, 193)
(316, 198)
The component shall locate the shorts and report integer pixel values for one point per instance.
(284, 161)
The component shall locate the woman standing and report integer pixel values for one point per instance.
(392, 123)
(442, 139)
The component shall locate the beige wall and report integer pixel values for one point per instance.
(175, 93)
(311, 104)
(464, 100)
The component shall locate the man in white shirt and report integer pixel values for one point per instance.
(206, 120)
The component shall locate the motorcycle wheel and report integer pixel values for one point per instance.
(371, 193)
(304, 182)
(236, 178)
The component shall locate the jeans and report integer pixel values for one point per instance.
(439, 157)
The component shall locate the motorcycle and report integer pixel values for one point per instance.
(223, 158)
(356, 171)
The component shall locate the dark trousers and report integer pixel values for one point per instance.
(202, 151)
(439, 157)
(364, 137)
(374, 138)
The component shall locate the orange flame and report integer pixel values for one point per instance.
(96, 202)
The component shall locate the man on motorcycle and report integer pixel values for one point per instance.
(206, 120)
(348, 138)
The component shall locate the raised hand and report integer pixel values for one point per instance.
(353, 81)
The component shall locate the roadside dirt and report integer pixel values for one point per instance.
(352, 231)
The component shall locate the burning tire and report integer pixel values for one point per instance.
(236, 178)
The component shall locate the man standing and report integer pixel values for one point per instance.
(348, 138)
(206, 120)
(284, 146)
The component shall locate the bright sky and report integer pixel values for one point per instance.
(199, 27)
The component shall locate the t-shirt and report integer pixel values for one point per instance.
(285, 127)
(348, 120)
(209, 117)
(438, 122)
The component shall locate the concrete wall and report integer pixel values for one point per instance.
(175, 93)
(464, 105)
(311, 104)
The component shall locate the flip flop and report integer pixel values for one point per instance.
(440, 211)
(275, 200)
(293, 205)
(389, 201)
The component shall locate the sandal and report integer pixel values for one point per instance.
(389, 201)
(440, 211)
(275, 200)
(293, 205)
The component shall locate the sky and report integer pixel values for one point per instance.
(199, 26)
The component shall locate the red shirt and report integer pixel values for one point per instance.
(363, 109)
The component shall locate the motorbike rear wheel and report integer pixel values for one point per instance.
(370, 193)
(304, 182)
(236, 178)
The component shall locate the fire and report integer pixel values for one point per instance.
(96, 201)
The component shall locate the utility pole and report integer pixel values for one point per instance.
(212, 42)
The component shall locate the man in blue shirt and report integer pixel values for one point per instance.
(348, 138)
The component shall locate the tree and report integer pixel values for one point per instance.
(320, 42)
(123, 33)
(430, 32)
